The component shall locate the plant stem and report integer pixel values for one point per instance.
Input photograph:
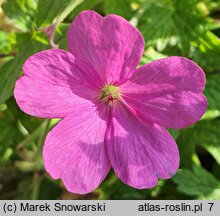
(50, 29)
(67, 11)
(43, 134)
(36, 186)
(134, 20)
(32, 136)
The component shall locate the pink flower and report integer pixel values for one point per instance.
(113, 114)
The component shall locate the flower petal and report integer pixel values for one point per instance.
(54, 84)
(61, 68)
(45, 100)
(75, 152)
(167, 92)
(140, 153)
(111, 45)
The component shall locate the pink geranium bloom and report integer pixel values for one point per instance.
(113, 114)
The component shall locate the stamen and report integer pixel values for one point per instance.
(109, 93)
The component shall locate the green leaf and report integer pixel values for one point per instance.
(27, 166)
(151, 55)
(21, 13)
(7, 40)
(164, 20)
(6, 156)
(206, 52)
(49, 189)
(10, 134)
(121, 191)
(198, 182)
(211, 114)
(10, 71)
(15, 126)
(157, 26)
(212, 91)
(186, 145)
(85, 5)
(61, 36)
(119, 7)
(48, 10)
(206, 134)
(174, 133)
(24, 187)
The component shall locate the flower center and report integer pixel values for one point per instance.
(109, 93)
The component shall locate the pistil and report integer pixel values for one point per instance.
(109, 94)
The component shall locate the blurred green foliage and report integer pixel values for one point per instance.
(189, 28)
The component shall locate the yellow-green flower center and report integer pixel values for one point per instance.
(109, 93)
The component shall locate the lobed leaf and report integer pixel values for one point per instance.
(198, 182)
